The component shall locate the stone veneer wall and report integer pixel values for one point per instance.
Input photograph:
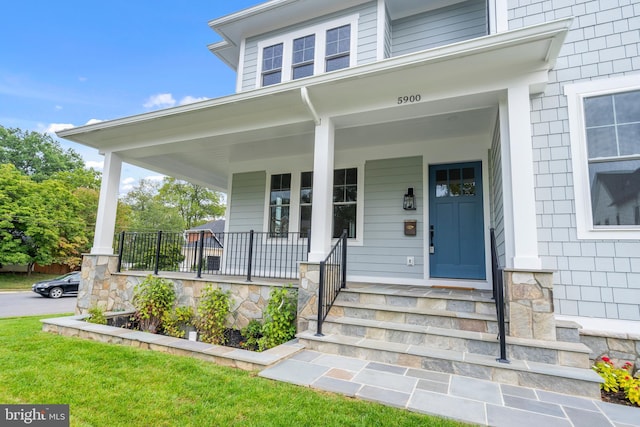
(101, 286)
(620, 347)
(529, 301)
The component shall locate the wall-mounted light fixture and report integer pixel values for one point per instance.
(409, 200)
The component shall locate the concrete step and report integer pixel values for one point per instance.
(567, 331)
(553, 352)
(546, 376)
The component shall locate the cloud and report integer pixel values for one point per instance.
(128, 180)
(58, 107)
(161, 100)
(82, 79)
(154, 177)
(92, 164)
(93, 121)
(192, 99)
(56, 127)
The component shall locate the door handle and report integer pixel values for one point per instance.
(432, 248)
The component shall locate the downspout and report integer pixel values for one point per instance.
(304, 93)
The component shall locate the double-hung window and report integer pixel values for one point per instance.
(345, 201)
(306, 200)
(338, 49)
(303, 56)
(604, 118)
(279, 205)
(272, 64)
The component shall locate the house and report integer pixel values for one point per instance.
(211, 238)
(418, 126)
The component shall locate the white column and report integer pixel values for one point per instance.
(518, 181)
(107, 205)
(322, 207)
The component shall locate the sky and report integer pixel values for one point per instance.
(69, 63)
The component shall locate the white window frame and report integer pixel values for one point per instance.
(294, 207)
(320, 31)
(576, 93)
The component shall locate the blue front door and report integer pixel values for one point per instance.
(456, 221)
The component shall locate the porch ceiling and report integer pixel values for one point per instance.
(459, 86)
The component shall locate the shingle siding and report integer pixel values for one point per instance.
(596, 278)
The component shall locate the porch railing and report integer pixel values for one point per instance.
(498, 296)
(249, 254)
(333, 278)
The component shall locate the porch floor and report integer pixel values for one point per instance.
(467, 399)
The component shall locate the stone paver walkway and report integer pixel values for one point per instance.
(467, 399)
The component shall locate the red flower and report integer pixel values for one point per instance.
(605, 359)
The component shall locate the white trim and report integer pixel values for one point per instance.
(498, 16)
(381, 26)
(576, 93)
(320, 31)
(240, 71)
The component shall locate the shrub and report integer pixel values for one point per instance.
(152, 298)
(252, 334)
(618, 378)
(280, 318)
(96, 315)
(176, 321)
(213, 309)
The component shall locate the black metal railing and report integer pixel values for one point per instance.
(333, 278)
(498, 296)
(249, 254)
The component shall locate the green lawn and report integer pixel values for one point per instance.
(20, 281)
(111, 385)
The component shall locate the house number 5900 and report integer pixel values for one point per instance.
(408, 99)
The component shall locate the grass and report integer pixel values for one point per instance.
(21, 281)
(110, 385)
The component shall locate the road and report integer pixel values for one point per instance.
(31, 304)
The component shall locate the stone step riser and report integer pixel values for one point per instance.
(465, 345)
(502, 373)
(440, 321)
(427, 303)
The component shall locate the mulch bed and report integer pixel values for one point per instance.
(616, 397)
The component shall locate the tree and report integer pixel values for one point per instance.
(36, 155)
(39, 221)
(194, 202)
(148, 212)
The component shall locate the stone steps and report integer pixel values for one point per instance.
(452, 331)
(571, 354)
(560, 379)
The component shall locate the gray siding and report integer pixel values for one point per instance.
(386, 247)
(495, 191)
(366, 39)
(387, 35)
(458, 22)
(246, 208)
(595, 278)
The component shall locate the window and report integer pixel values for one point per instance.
(604, 120)
(338, 48)
(303, 56)
(306, 199)
(279, 203)
(345, 198)
(272, 64)
(309, 51)
(612, 124)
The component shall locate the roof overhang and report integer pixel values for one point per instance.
(198, 141)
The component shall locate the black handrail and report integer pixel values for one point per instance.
(249, 254)
(332, 281)
(498, 296)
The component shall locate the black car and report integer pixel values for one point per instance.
(55, 288)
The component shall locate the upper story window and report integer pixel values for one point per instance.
(338, 48)
(303, 56)
(272, 64)
(604, 122)
(310, 51)
(279, 204)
